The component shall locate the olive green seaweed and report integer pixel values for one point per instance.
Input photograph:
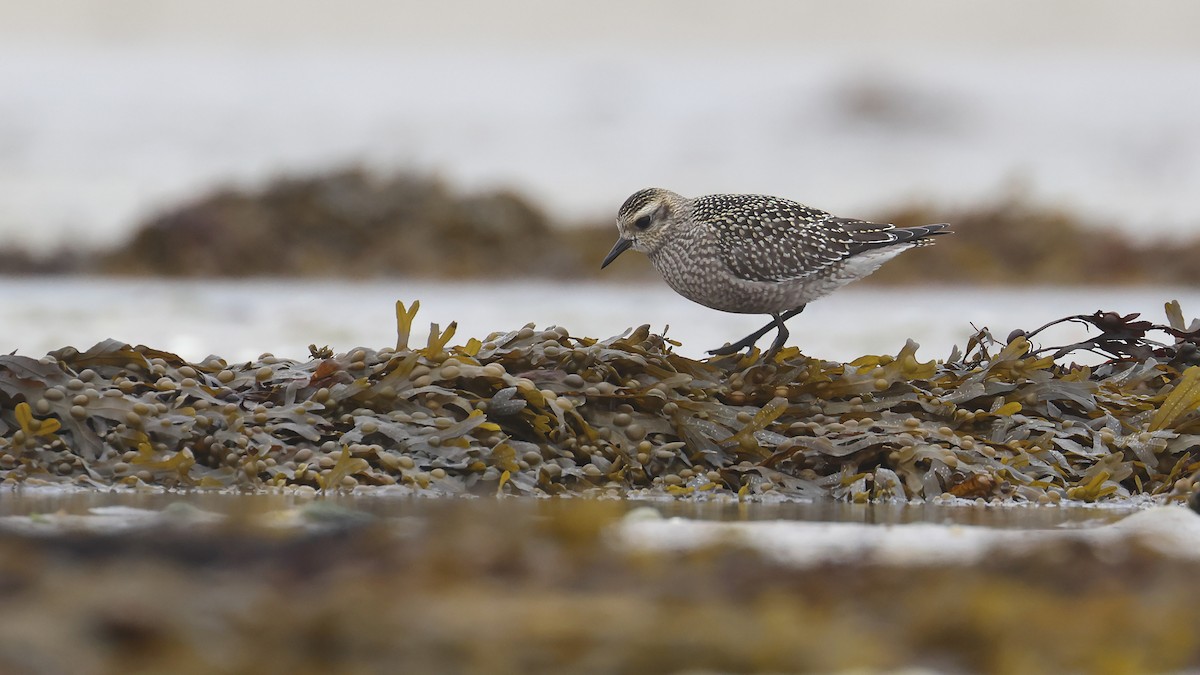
(1183, 399)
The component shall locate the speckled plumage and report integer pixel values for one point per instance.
(755, 254)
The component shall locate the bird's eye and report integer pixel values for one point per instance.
(642, 223)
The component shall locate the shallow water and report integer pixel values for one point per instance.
(381, 504)
(239, 320)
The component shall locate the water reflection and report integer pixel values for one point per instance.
(24, 502)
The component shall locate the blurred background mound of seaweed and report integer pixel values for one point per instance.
(351, 223)
(357, 223)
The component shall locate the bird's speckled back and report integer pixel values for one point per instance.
(765, 238)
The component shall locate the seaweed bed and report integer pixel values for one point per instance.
(538, 412)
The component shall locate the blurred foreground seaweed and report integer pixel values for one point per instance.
(525, 586)
(538, 412)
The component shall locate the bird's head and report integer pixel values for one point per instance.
(647, 220)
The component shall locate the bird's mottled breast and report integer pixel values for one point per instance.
(691, 264)
(687, 263)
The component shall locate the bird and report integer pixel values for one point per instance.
(756, 254)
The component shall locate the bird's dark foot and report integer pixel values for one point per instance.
(745, 343)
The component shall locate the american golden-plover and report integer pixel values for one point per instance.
(754, 254)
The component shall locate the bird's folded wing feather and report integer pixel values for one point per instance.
(780, 241)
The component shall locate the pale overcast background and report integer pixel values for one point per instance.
(111, 109)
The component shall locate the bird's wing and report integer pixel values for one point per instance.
(771, 239)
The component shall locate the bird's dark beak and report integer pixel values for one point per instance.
(620, 247)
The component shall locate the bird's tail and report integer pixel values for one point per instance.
(868, 236)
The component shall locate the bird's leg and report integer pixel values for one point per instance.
(748, 341)
(780, 339)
